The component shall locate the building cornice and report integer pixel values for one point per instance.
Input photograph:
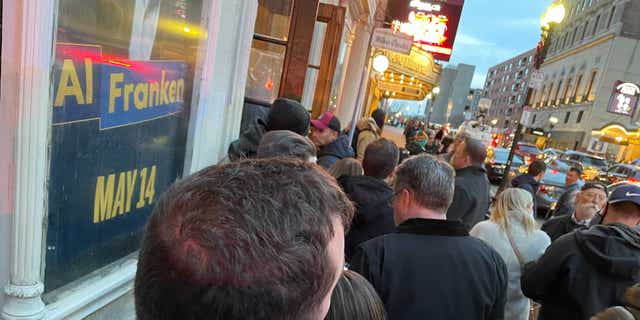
(577, 50)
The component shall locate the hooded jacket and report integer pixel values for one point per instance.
(471, 196)
(247, 145)
(584, 272)
(374, 215)
(367, 133)
(338, 149)
(527, 182)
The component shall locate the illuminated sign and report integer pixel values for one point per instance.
(432, 24)
(624, 98)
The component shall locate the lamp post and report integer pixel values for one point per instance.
(554, 15)
(432, 97)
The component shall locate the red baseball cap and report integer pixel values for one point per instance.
(327, 121)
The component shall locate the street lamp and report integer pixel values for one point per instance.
(432, 98)
(554, 15)
(494, 122)
(436, 91)
(553, 121)
(380, 63)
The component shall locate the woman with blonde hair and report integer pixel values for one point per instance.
(512, 231)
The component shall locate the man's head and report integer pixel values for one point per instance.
(590, 200)
(573, 176)
(422, 183)
(253, 239)
(379, 116)
(325, 130)
(380, 158)
(624, 206)
(537, 169)
(286, 143)
(287, 114)
(470, 152)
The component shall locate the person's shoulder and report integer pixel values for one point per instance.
(556, 221)
(486, 227)
(541, 238)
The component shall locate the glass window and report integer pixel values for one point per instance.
(613, 12)
(265, 70)
(313, 67)
(595, 25)
(122, 80)
(580, 116)
(274, 18)
(576, 97)
(590, 92)
(584, 31)
(566, 117)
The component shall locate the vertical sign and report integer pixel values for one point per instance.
(624, 98)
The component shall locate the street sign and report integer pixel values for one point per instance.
(536, 79)
(393, 41)
(526, 116)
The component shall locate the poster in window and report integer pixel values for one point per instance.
(122, 83)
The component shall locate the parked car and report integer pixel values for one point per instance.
(552, 154)
(553, 184)
(529, 152)
(497, 162)
(593, 166)
(620, 172)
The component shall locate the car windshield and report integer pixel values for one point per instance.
(529, 149)
(594, 162)
(501, 155)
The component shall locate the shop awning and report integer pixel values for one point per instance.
(618, 134)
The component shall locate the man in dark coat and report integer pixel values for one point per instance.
(371, 195)
(589, 201)
(430, 268)
(472, 189)
(565, 204)
(530, 181)
(285, 114)
(587, 271)
(332, 145)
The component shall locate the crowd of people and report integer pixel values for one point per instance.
(300, 223)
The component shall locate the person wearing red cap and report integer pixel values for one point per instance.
(332, 146)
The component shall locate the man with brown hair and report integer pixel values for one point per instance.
(256, 239)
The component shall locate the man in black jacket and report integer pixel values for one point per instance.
(565, 204)
(371, 195)
(530, 181)
(471, 197)
(430, 268)
(587, 271)
(589, 201)
(332, 146)
(285, 114)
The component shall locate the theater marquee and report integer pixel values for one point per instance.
(432, 24)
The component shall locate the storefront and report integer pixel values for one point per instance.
(619, 142)
(127, 98)
(95, 125)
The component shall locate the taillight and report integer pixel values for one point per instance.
(554, 171)
(633, 180)
(542, 189)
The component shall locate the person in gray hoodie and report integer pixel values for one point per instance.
(587, 271)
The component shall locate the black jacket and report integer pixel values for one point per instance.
(374, 215)
(471, 197)
(339, 149)
(433, 269)
(527, 182)
(584, 272)
(247, 145)
(559, 226)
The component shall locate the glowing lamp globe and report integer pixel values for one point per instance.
(380, 63)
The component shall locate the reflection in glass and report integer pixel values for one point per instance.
(265, 70)
(274, 17)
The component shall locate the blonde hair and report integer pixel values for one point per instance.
(346, 167)
(514, 205)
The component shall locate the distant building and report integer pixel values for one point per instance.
(473, 101)
(455, 83)
(593, 51)
(506, 86)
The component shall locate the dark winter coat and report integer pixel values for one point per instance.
(247, 145)
(338, 149)
(584, 272)
(433, 269)
(566, 201)
(527, 182)
(374, 215)
(471, 197)
(559, 226)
